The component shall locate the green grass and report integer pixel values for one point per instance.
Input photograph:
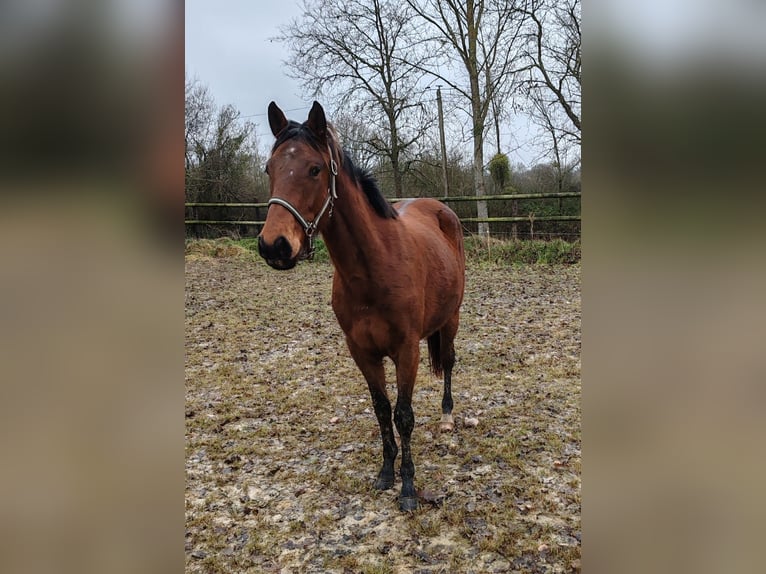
(492, 251)
(511, 252)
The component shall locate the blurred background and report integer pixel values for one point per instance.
(91, 234)
(673, 310)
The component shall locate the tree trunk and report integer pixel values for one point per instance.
(397, 173)
(478, 177)
(477, 119)
(445, 180)
(497, 132)
(394, 155)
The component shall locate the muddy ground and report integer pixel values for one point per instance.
(282, 445)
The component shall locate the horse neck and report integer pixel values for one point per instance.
(354, 234)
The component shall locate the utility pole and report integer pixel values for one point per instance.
(441, 140)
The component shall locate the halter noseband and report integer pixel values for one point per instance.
(310, 227)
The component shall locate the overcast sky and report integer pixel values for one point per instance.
(228, 49)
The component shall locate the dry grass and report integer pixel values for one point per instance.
(201, 248)
(274, 485)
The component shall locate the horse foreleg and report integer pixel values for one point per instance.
(375, 376)
(382, 407)
(406, 371)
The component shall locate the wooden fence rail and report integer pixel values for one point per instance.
(515, 219)
(551, 195)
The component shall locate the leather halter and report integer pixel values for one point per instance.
(310, 227)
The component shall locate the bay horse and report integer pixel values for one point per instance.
(399, 270)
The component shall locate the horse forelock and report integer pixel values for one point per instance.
(293, 131)
(300, 132)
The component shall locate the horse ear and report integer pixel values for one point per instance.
(317, 122)
(277, 119)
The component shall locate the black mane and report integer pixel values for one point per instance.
(362, 177)
(370, 188)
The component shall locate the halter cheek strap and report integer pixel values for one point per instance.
(310, 227)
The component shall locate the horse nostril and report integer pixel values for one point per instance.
(282, 248)
(279, 250)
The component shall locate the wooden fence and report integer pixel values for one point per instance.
(466, 217)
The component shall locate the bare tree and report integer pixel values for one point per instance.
(554, 51)
(485, 36)
(220, 150)
(366, 54)
(561, 147)
(356, 135)
(226, 162)
(198, 118)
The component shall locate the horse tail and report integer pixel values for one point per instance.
(435, 354)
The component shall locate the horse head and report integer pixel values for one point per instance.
(302, 173)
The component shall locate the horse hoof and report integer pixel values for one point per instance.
(383, 483)
(447, 423)
(408, 503)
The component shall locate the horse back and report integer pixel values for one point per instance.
(431, 214)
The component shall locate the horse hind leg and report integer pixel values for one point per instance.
(437, 359)
(447, 356)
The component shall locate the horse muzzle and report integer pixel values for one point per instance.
(278, 255)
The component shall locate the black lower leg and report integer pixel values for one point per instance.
(448, 362)
(382, 408)
(405, 421)
(447, 398)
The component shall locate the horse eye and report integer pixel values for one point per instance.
(266, 170)
(314, 171)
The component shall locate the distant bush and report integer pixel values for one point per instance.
(556, 251)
